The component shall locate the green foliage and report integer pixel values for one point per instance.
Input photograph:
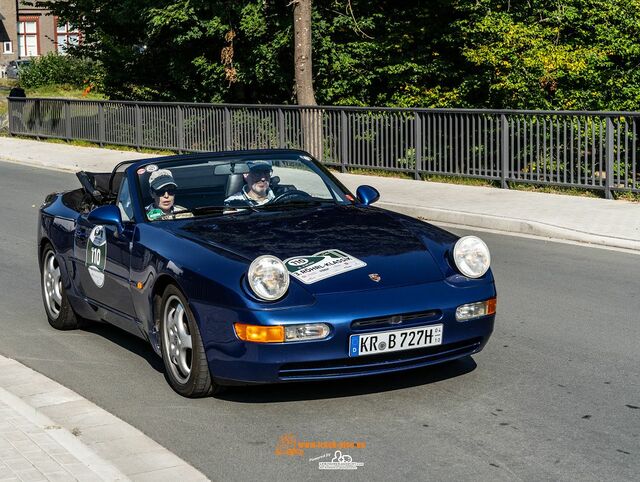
(574, 54)
(52, 69)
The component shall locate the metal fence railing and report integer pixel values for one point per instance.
(591, 150)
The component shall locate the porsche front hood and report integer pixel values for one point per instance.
(336, 248)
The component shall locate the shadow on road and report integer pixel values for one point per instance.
(288, 392)
(135, 345)
(297, 391)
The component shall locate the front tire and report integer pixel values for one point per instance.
(56, 304)
(183, 354)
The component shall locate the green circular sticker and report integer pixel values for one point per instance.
(154, 214)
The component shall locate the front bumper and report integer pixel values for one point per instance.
(234, 361)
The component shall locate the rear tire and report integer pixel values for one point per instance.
(56, 304)
(185, 361)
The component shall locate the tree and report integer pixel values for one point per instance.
(302, 52)
(312, 118)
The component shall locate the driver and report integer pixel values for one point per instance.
(256, 191)
(163, 190)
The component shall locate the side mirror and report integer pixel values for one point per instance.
(108, 214)
(367, 194)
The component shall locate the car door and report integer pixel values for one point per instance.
(104, 260)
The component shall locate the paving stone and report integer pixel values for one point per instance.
(18, 463)
(26, 446)
(65, 458)
(9, 453)
(118, 448)
(111, 431)
(63, 410)
(170, 474)
(47, 467)
(82, 473)
(33, 388)
(55, 397)
(38, 458)
(61, 476)
(32, 475)
(147, 462)
(15, 436)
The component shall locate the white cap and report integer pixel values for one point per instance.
(161, 178)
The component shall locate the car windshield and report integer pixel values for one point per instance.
(221, 186)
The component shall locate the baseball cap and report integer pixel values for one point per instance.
(260, 165)
(161, 178)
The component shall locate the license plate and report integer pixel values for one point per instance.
(396, 340)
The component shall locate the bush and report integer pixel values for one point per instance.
(53, 69)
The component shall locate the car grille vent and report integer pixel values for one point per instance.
(396, 321)
(381, 363)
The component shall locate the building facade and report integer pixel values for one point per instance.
(29, 31)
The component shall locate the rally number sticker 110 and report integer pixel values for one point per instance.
(96, 258)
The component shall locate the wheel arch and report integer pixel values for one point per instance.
(42, 245)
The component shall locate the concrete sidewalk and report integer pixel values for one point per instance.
(599, 222)
(48, 432)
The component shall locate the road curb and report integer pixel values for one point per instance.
(107, 445)
(511, 225)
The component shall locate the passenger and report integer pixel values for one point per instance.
(256, 190)
(163, 190)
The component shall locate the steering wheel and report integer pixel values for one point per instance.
(293, 193)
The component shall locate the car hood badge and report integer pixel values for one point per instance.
(375, 277)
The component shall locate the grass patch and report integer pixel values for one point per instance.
(633, 197)
(66, 91)
(8, 83)
(567, 191)
(465, 181)
(379, 173)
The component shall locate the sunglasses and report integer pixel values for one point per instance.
(171, 191)
(260, 173)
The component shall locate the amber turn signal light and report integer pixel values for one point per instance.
(259, 334)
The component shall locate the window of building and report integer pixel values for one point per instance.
(28, 37)
(7, 47)
(66, 35)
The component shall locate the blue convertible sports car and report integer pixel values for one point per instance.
(260, 267)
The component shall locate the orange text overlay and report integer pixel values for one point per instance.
(289, 444)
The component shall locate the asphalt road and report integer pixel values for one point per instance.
(554, 396)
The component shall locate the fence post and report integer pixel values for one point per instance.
(67, 120)
(36, 106)
(138, 127)
(227, 129)
(610, 155)
(344, 149)
(10, 114)
(418, 146)
(180, 128)
(102, 137)
(504, 148)
(281, 136)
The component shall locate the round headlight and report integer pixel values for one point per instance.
(471, 256)
(268, 277)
